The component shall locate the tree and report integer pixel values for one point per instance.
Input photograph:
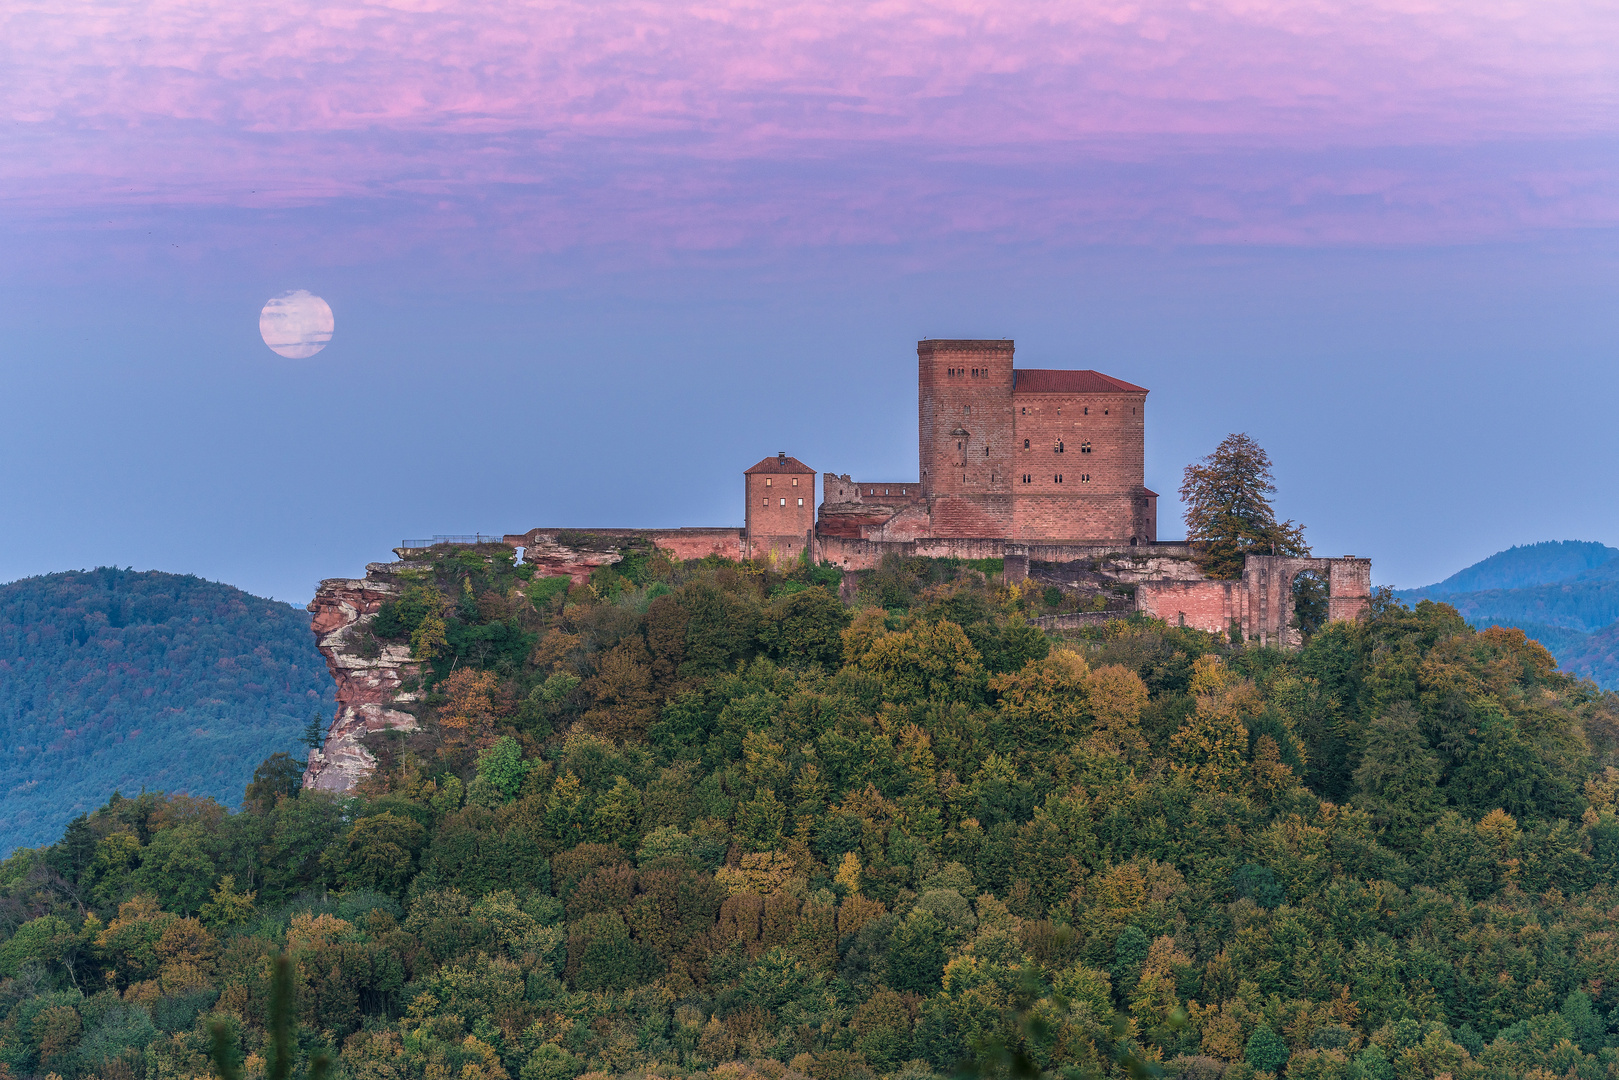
(1398, 776)
(279, 776)
(378, 853)
(1228, 511)
(1265, 1049)
(314, 735)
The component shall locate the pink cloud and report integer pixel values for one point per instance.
(1193, 118)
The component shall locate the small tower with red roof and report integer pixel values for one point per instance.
(780, 493)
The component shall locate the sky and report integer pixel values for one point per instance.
(589, 260)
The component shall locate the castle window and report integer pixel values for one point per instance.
(1087, 410)
(795, 481)
(1085, 447)
(986, 451)
(958, 446)
(1025, 410)
(1104, 412)
(1059, 446)
(767, 500)
(967, 409)
(1059, 410)
(784, 502)
(767, 481)
(1086, 478)
(1059, 478)
(800, 502)
(1027, 478)
(1025, 444)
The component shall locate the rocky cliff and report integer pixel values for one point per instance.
(369, 674)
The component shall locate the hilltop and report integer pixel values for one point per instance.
(706, 819)
(1523, 566)
(118, 679)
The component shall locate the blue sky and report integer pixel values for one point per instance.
(589, 264)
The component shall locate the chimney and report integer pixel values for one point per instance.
(781, 457)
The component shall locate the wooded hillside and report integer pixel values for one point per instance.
(704, 820)
(126, 679)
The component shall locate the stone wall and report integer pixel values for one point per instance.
(1261, 604)
(778, 504)
(1096, 444)
(1201, 605)
(1144, 562)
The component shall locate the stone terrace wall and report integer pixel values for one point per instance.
(1201, 605)
(1145, 562)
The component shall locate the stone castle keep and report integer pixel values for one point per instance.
(1043, 469)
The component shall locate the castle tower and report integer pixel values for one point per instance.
(965, 431)
(780, 506)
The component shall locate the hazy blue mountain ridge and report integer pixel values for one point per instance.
(115, 679)
(1562, 593)
(1545, 563)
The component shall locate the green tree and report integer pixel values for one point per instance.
(314, 735)
(280, 776)
(1265, 1049)
(178, 866)
(1590, 1031)
(1398, 776)
(805, 627)
(501, 769)
(1228, 510)
(917, 953)
(379, 853)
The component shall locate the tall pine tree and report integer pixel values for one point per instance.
(1228, 511)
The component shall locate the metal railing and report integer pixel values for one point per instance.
(474, 538)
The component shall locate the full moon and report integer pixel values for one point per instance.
(297, 324)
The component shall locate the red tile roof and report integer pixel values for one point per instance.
(780, 463)
(1051, 381)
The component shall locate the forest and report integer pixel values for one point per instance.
(113, 678)
(705, 820)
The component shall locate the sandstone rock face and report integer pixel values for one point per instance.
(551, 559)
(367, 686)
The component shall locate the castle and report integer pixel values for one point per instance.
(1041, 469)
(1034, 466)
(1002, 454)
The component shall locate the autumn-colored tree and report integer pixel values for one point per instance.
(622, 689)
(1228, 510)
(474, 703)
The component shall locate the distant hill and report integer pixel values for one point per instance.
(113, 679)
(1532, 564)
(1563, 593)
